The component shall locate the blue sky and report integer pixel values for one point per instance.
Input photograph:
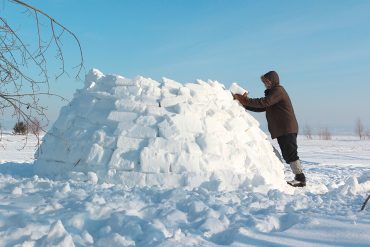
(321, 49)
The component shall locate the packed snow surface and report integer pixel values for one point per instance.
(140, 132)
(38, 211)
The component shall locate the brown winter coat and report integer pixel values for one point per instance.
(279, 110)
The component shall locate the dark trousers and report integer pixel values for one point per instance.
(288, 147)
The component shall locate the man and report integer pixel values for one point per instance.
(282, 123)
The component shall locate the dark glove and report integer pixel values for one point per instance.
(241, 98)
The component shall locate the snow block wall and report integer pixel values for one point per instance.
(140, 132)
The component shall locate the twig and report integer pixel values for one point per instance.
(80, 66)
(364, 205)
(75, 164)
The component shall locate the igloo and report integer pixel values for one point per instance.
(140, 132)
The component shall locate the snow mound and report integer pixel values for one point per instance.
(354, 186)
(140, 132)
(57, 236)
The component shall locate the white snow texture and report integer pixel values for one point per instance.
(236, 89)
(140, 132)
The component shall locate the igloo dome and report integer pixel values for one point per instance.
(140, 132)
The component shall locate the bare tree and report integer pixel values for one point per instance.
(325, 134)
(360, 131)
(308, 131)
(20, 128)
(35, 127)
(24, 69)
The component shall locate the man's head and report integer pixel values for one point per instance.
(270, 79)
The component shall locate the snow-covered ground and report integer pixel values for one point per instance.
(36, 211)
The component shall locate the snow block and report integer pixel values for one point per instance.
(120, 116)
(125, 143)
(185, 162)
(154, 161)
(98, 155)
(119, 162)
(129, 105)
(170, 146)
(140, 131)
(170, 101)
(168, 83)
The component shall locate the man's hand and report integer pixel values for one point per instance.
(241, 98)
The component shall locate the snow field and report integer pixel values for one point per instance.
(80, 211)
(38, 211)
(140, 132)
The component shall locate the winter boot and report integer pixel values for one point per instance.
(299, 179)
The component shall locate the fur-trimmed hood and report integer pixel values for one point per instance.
(273, 77)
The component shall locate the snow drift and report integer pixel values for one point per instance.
(140, 132)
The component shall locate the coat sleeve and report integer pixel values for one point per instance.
(255, 109)
(272, 98)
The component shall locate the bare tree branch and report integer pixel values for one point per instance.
(53, 21)
(24, 74)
